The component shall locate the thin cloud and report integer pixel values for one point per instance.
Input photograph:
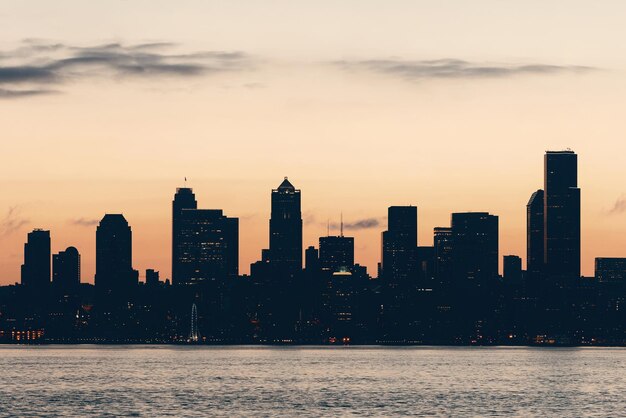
(366, 223)
(84, 222)
(619, 206)
(42, 66)
(12, 222)
(453, 68)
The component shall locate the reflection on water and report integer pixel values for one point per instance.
(264, 381)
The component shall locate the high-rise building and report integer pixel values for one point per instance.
(114, 256)
(183, 199)
(336, 253)
(66, 269)
(36, 267)
(208, 246)
(475, 246)
(399, 246)
(286, 229)
(561, 217)
(205, 242)
(535, 241)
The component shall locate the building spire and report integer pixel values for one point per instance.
(341, 224)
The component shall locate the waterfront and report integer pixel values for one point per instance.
(311, 381)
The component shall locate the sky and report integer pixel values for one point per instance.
(105, 107)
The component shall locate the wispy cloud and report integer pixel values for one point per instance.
(366, 223)
(40, 67)
(619, 206)
(12, 221)
(453, 68)
(83, 222)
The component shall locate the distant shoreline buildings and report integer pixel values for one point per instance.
(448, 293)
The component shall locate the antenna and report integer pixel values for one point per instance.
(341, 224)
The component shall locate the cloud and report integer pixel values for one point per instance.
(83, 222)
(16, 94)
(42, 66)
(12, 222)
(453, 68)
(619, 206)
(359, 224)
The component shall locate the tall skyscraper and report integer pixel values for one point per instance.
(205, 243)
(36, 267)
(183, 199)
(399, 246)
(535, 241)
(475, 246)
(66, 270)
(561, 216)
(208, 246)
(114, 255)
(286, 229)
(336, 254)
(611, 270)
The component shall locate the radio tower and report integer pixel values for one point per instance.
(194, 335)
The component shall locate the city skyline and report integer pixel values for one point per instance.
(373, 224)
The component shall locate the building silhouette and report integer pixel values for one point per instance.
(561, 217)
(114, 255)
(285, 250)
(399, 246)
(183, 199)
(610, 270)
(36, 267)
(336, 254)
(66, 270)
(512, 269)
(205, 243)
(535, 242)
(474, 246)
(311, 259)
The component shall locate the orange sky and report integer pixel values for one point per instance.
(362, 105)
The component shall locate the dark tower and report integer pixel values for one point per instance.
(534, 242)
(114, 271)
(286, 229)
(475, 246)
(336, 254)
(207, 246)
(561, 217)
(312, 259)
(183, 199)
(66, 270)
(443, 255)
(36, 267)
(399, 246)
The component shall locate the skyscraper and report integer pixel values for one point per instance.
(207, 246)
(336, 254)
(66, 270)
(561, 217)
(535, 241)
(512, 269)
(286, 229)
(183, 199)
(475, 246)
(399, 246)
(114, 254)
(36, 267)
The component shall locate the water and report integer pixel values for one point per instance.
(265, 381)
